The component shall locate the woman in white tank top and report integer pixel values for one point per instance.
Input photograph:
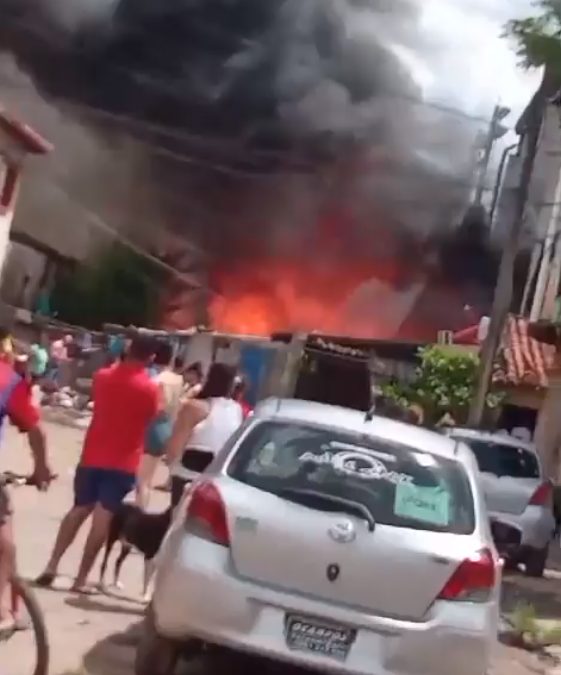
(202, 427)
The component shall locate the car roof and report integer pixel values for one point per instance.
(492, 437)
(355, 421)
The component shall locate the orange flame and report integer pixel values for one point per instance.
(336, 282)
(282, 295)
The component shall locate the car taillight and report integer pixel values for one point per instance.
(542, 496)
(206, 514)
(473, 580)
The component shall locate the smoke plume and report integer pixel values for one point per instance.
(288, 138)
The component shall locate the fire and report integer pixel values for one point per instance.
(258, 298)
(338, 279)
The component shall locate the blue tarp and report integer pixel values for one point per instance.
(255, 361)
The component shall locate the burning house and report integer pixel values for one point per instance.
(288, 140)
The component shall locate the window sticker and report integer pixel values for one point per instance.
(425, 504)
(359, 464)
(358, 448)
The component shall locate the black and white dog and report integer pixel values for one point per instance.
(135, 529)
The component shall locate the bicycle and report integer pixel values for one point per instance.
(23, 597)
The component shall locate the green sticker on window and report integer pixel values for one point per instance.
(425, 504)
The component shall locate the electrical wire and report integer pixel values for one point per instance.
(98, 222)
(157, 83)
(182, 158)
(163, 152)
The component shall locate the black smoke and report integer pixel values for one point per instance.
(266, 113)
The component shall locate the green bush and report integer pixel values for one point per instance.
(118, 286)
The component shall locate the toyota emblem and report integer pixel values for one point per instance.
(333, 571)
(343, 531)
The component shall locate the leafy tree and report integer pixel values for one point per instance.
(445, 384)
(118, 286)
(538, 38)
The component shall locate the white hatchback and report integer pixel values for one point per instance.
(322, 538)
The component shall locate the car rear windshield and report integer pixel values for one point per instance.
(503, 460)
(396, 484)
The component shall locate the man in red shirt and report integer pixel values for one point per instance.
(16, 403)
(125, 401)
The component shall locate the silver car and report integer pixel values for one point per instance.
(325, 539)
(516, 491)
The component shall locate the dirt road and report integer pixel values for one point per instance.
(76, 625)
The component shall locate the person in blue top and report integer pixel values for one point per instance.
(116, 346)
(170, 385)
(42, 305)
(39, 357)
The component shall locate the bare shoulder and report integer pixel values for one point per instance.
(194, 408)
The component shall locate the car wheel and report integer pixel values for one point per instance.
(155, 654)
(535, 562)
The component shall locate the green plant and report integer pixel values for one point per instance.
(530, 631)
(444, 384)
(538, 38)
(117, 286)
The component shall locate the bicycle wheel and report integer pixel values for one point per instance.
(34, 631)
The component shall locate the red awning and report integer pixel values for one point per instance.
(467, 336)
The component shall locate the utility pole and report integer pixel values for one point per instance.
(496, 131)
(503, 289)
(499, 183)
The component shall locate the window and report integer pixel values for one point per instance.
(503, 460)
(318, 467)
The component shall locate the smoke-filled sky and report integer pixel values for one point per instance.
(329, 100)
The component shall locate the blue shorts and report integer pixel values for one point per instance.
(107, 487)
(158, 435)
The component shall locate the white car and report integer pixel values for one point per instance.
(517, 492)
(322, 538)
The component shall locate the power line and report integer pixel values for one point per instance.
(174, 133)
(157, 83)
(100, 223)
(182, 158)
(158, 149)
(126, 120)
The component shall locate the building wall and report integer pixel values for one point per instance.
(506, 204)
(546, 170)
(540, 208)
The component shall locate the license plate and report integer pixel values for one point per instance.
(313, 635)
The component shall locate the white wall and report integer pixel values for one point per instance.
(7, 210)
(541, 197)
(546, 171)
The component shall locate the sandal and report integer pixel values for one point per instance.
(84, 590)
(45, 580)
(7, 628)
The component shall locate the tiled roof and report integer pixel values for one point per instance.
(523, 360)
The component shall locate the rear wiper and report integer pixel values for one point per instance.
(351, 505)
